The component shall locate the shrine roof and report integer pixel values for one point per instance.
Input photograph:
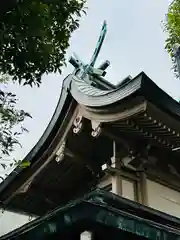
(97, 100)
(102, 212)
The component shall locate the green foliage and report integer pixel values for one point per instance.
(11, 119)
(172, 27)
(22, 164)
(34, 36)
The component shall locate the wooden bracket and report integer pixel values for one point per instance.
(78, 124)
(97, 129)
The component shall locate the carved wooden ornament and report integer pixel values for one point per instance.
(78, 124)
(97, 129)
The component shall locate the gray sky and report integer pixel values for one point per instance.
(134, 42)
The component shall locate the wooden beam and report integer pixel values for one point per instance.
(143, 186)
(111, 171)
(116, 178)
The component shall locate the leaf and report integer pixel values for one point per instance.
(24, 164)
(24, 129)
(3, 165)
(11, 164)
(27, 115)
(2, 93)
(1, 178)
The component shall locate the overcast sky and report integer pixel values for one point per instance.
(134, 43)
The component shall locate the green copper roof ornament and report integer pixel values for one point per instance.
(83, 70)
(99, 44)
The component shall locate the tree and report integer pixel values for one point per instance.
(11, 125)
(34, 36)
(172, 27)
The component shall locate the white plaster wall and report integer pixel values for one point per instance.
(10, 221)
(128, 190)
(163, 198)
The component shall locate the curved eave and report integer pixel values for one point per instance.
(100, 101)
(88, 95)
(94, 98)
(34, 155)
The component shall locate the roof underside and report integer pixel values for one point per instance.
(96, 210)
(135, 113)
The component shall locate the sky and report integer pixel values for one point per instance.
(134, 43)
